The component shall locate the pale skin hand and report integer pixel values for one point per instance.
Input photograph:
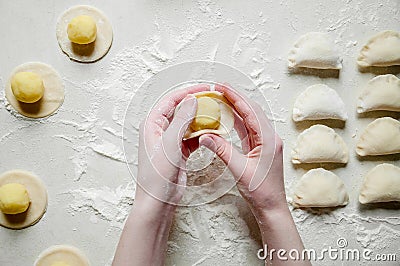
(145, 235)
(144, 239)
(259, 174)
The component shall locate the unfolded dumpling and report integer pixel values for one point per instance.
(381, 50)
(319, 102)
(320, 144)
(320, 188)
(381, 184)
(380, 137)
(381, 93)
(314, 50)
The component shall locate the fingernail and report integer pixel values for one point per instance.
(206, 141)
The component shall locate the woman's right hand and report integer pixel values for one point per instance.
(259, 169)
(259, 174)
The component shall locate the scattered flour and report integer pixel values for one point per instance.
(379, 238)
(109, 150)
(106, 204)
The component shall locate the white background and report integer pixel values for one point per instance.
(78, 151)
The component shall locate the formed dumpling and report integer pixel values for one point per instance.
(381, 93)
(314, 50)
(320, 144)
(320, 188)
(381, 184)
(319, 102)
(216, 115)
(380, 137)
(381, 50)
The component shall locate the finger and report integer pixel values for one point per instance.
(253, 116)
(182, 176)
(172, 137)
(166, 106)
(269, 156)
(242, 133)
(235, 98)
(245, 111)
(268, 130)
(224, 150)
(261, 114)
(158, 119)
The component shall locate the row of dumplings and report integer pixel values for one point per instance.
(317, 50)
(381, 184)
(317, 102)
(382, 136)
(321, 144)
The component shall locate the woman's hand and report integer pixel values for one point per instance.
(259, 169)
(259, 174)
(162, 152)
(161, 179)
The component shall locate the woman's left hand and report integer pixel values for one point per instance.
(162, 152)
(161, 179)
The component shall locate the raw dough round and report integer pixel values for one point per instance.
(85, 52)
(62, 253)
(227, 119)
(37, 193)
(53, 96)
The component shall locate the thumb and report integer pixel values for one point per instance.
(220, 146)
(183, 117)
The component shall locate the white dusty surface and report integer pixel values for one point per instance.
(78, 151)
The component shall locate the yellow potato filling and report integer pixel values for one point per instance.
(14, 198)
(27, 87)
(208, 114)
(82, 30)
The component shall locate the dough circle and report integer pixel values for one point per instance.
(37, 193)
(227, 120)
(53, 96)
(85, 53)
(68, 254)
